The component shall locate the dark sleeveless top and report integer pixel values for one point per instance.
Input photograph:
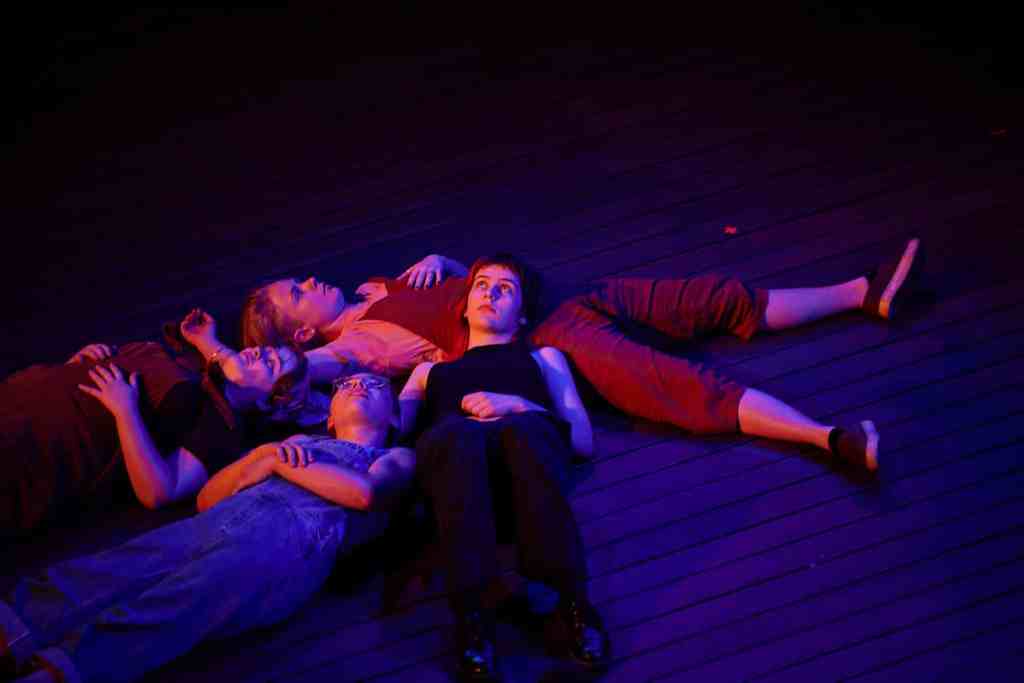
(501, 368)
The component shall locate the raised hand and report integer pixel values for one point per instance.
(198, 327)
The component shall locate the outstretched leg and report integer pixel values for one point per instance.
(536, 458)
(766, 416)
(452, 468)
(880, 293)
(640, 380)
(792, 307)
(548, 539)
(245, 563)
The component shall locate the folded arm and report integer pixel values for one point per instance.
(253, 467)
(388, 478)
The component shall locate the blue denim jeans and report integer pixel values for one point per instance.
(249, 561)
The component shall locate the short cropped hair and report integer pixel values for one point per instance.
(530, 282)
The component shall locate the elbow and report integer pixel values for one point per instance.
(366, 498)
(203, 502)
(378, 496)
(583, 445)
(154, 497)
(153, 501)
(581, 436)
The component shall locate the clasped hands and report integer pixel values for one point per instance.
(290, 454)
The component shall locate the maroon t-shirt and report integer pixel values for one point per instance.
(434, 313)
(59, 446)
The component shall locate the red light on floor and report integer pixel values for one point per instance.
(730, 230)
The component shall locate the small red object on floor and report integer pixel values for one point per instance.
(730, 230)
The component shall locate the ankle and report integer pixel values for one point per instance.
(833, 439)
(860, 288)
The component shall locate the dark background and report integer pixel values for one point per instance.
(118, 172)
(164, 159)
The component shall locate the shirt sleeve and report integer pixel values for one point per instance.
(176, 415)
(199, 427)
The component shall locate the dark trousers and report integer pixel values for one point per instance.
(485, 476)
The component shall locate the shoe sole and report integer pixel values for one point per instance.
(871, 449)
(898, 278)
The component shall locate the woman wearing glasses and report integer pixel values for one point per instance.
(500, 423)
(270, 528)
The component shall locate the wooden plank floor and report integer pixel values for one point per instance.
(712, 558)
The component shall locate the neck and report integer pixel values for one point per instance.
(363, 434)
(331, 331)
(488, 338)
(237, 397)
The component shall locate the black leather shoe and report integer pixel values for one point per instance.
(475, 640)
(576, 630)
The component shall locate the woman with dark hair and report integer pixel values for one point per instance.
(501, 422)
(151, 419)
